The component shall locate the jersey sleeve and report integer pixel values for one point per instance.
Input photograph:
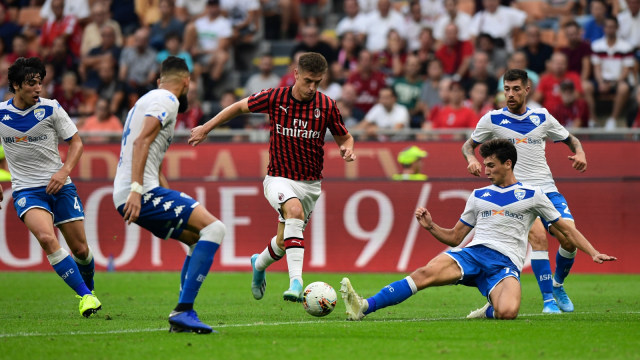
(468, 216)
(161, 108)
(63, 124)
(483, 130)
(544, 207)
(336, 123)
(259, 102)
(556, 131)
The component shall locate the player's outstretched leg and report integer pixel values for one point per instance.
(185, 267)
(564, 262)
(259, 264)
(542, 271)
(87, 268)
(391, 294)
(67, 269)
(485, 312)
(354, 303)
(294, 247)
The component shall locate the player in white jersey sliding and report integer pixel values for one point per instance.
(141, 192)
(528, 129)
(502, 214)
(43, 193)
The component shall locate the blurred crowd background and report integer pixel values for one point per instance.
(394, 65)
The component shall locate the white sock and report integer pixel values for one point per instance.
(294, 247)
(266, 257)
(85, 261)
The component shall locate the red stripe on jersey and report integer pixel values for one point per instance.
(297, 131)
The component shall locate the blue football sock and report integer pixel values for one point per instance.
(198, 268)
(183, 273)
(67, 269)
(489, 312)
(564, 262)
(542, 270)
(391, 294)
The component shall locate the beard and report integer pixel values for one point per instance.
(184, 103)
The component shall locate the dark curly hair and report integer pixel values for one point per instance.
(25, 69)
(503, 149)
(313, 63)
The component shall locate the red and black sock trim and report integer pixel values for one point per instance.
(272, 253)
(293, 242)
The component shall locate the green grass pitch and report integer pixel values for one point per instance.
(39, 320)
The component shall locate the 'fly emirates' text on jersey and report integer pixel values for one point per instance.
(30, 140)
(502, 217)
(162, 105)
(528, 133)
(297, 131)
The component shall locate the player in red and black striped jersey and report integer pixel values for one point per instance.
(299, 118)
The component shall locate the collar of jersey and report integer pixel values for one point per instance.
(298, 101)
(10, 102)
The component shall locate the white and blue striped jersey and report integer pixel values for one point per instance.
(162, 105)
(30, 140)
(528, 133)
(502, 217)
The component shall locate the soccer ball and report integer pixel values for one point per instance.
(319, 299)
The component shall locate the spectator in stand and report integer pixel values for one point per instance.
(101, 121)
(557, 12)
(501, 22)
(578, 51)
(109, 87)
(479, 72)
(138, 67)
(444, 93)
(124, 12)
(276, 16)
(167, 24)
(452, 15)
(5, 94)
(630, 25)
(60, 25)
(633, 114)
(391, 60)
(571, 111)
(430, 96)
(8, 30)
(309, 12)
(78, 8)
(367, 6)
(311, 42)
(20, 49)
(387, 114)
(498, 56)
(548, 91)
(379, 22)
(330, 87)
(349, 98)
(454, 115)
(431, 11)
(189, 10)
(426, 52)
(354, 21)
(414, 23)
(173, 47)
(408, 89)
(479, 101)
(148, 12)
(518, 60)
(208, 39)
(264, 79)
(71, 98)
(290, 78)
(61, 59)
(411, 161)
(454, 54)
(536, 51)
(92, 33)
(613, 62)
(106, 52)
(349, 120)
(245, 19)
(594, 27)
(194, 114)
(367, 81)
(48, 85)
(347, 60)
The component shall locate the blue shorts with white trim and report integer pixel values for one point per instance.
(65, 206)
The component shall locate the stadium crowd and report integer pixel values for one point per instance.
(421, 64)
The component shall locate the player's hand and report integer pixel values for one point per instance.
(132, 207)
(57, 182)
(474, 168)
(600, 258)
(347, 154)
(197, 136)
(579, 162)
(424, 218)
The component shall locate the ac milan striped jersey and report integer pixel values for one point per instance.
(297, 131)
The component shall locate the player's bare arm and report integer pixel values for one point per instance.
(345, 143)
(579, 160)
(469, 153)
(1, 196)
(451, 237)
(73, 156)
(163, 179)
(573, 235)
(141, 145)
(199, 133)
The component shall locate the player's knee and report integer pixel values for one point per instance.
(506, 312)
(81, 251)
(294, 212)
(538, 240)
(213, 232)
(422, 277)
(47, 240)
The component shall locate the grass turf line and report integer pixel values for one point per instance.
(39, 319)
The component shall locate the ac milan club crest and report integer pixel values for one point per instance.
(280, 196)
(316, 113)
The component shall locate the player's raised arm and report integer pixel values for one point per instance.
(345, 143)
(452, 237)
(579, 160)
(469, 153)
(73, 156)
(576, 238)
(199, 133)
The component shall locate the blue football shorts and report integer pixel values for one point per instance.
(483, 267)
(560, 204)
(164, 212)
(65, 206)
